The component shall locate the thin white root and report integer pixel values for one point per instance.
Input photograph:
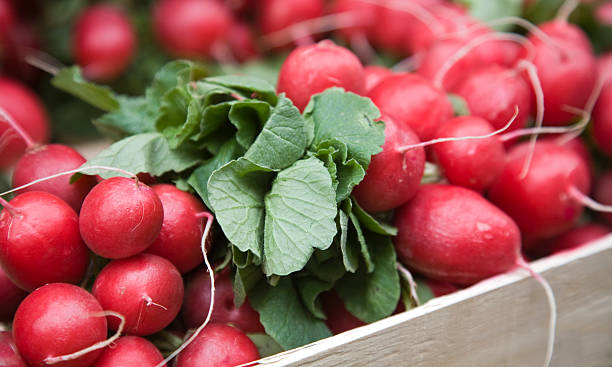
(588, 202)
(99, 345)
(460, 138)
(407, 276)
(15, 125)
(44, 62)
(566, 9)
(552, 321)
(532, 73)
(586, 112)
(70, 172)
(210, 218)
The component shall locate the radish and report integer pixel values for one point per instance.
(57, 320)
(393, 176)
(28, 111)
(104, 42)
(276, 15)
(364, 14)
(9, 355)
(602, 120)
(120, 217)
(453, 234)
(602, 192)
(579, 236)
(541, 203)
(603, 13)
(191, 28)
(40, 241)
(492, 93)
(130, 351)
(474, 164)
(197, 302)
(242, 42)
(218, 345)
(46, 160)
(146, 289)
(338, 318)
(439, 288)
(413, 102)
(560, 29)
(182, 228)
(312, 69)
(10, 297)
(8, 18)
(375, 74)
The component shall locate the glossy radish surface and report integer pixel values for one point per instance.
(9, 355)
(146, 289)
(40, 241)
(120, 218)
(602, 192)
(130, 351)
(602, 121)
(579, 236)
(10, 297)
(375, 74)
(58, 319)
(275, 15)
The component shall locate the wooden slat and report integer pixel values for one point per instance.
(498, 322)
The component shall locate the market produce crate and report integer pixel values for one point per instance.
(502, 321)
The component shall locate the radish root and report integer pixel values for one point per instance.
(22, 133)
(566, 9)
(588, 202)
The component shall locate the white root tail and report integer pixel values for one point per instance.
(15, 125)
(588, 202)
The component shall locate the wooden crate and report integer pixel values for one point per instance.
(499, 322)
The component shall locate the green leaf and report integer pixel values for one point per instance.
(350, 253)
(282, 140)
(266, 346)
(423, 291)
(248, 116)
(236, 193)
(245, 279)
(300, 212)
(349, 118)
(179, 117)
(71, 80)
(371, 223)
(134, 116)
(229, 151)
(249, 87)
(328, 271)
(310, 288)
(174, 73)
(372, 296)
(460, 106)
(486, 10)
(283, 315)
(365, 252)
(147, 152)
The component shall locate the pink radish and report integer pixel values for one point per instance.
(146, 289)
(474, 164)
(364, 14)
(374, 75)
(541, 203)
(602, 192)
(104, 42)
(276, 15)
(492, 93)
(218, 345)
(9, 355)
(191, 28)
(241, 42)
(562, 30)
(602, 120)
(197, 302)
(453, 234)
(120, 217)
(28, 111)
(338, 318)
(412, 101)
(40, 241)
(8, 18)
(50, 159)
(182, 228)
(312, 69)
(56, 320)
(579, 236)
(393, 176)
(130, 351)
(439, 288)
(10, 297)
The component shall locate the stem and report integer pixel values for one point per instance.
(552, 321)
(588, 202)
(210, 219)
(44, 62)
(566, 9)
(24, 135)
(364, 50)
(409, 64)
(460, 138)
(586, 113)
(407, 276)
(98, 345)
(11, 209)
(70, 172)
(529, 131)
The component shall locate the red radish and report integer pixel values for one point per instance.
(603, 13)
(602, 192)
(40, 241)
(364, 15)
(58, 319)
(493, 92)
(130, 351)
(453, 234)
(604, 67)
(9, 355)
(182, 228)
(576, 144)
(560, 29)
(146, 289)
(242, 42)
(312, 69)
(412, 101)
(10, 297)
(28, 111)
(104, 42)
(541, 203)
(197, 302)
(602, 120)
(374, 75)
(579, 236)
(393, 176)
(120, 218)
(8, 18)
(21, 41)
(498, 52)
(439, 288)
(50, 159)
(191, 28)
(238, 6)
(218, 345)
(474, 164)
(338, 318)
(276, 15)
